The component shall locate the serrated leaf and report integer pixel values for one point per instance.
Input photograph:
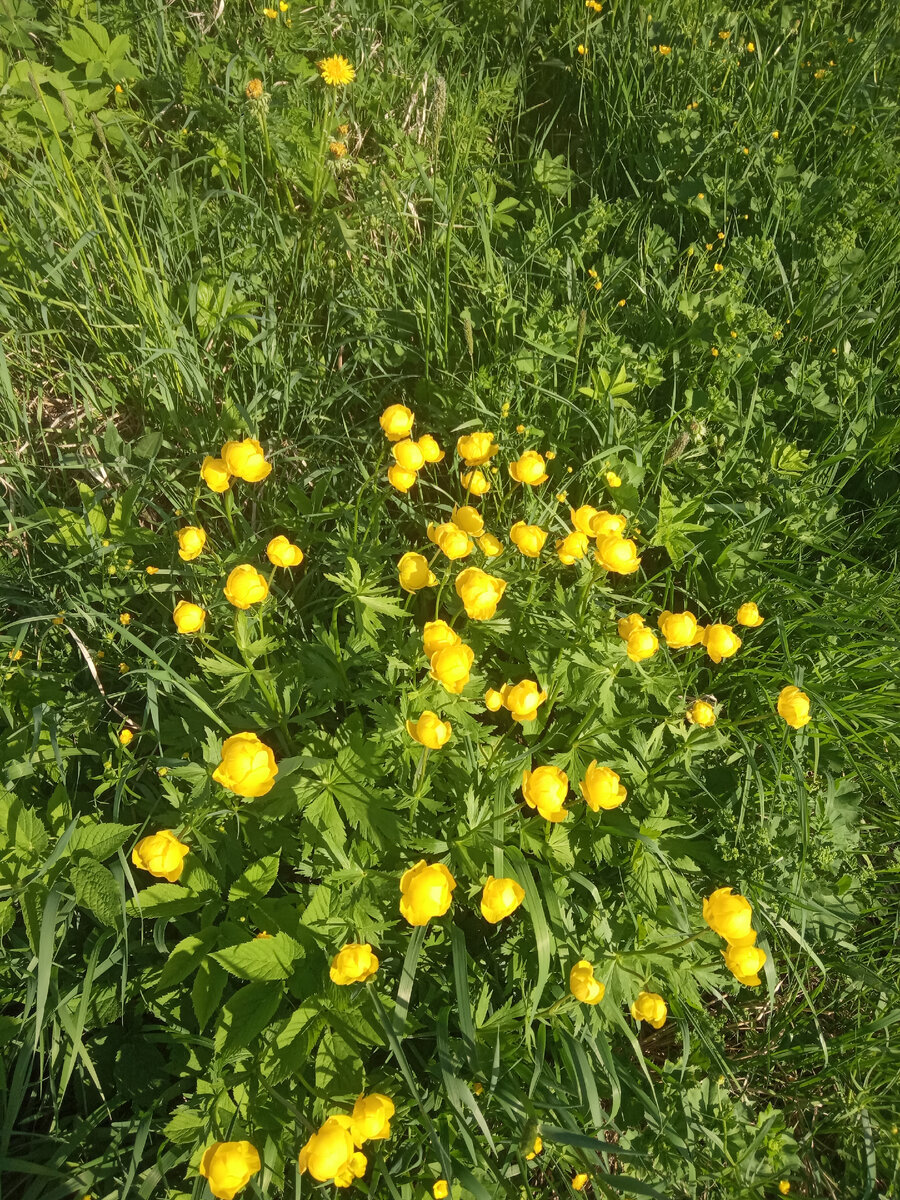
(261, 958)
(245, 1015)
(209, 983)
(186, 957)
(185, 1127)
(163, 900)
(97, 890)
(99, 839)
(256, 881)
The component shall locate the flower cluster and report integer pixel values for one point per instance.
(729, 914)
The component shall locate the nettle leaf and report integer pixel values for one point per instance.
(260, 959)
(163, 900)
(256, 881)
(185, 1127)
(245, 1015)
(21, 829)
(186, 957)
(99, 839)
(97, 890)
(206, 992)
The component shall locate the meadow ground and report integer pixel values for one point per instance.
(655, 244)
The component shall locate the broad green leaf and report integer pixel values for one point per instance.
(99, 839)
(245, 1015)
(97, 890)
(262, 958)
(163, 900)
(256, 881)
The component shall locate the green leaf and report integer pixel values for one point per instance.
(99, 839)
(186, 956)
(97, 890)
(163, 900)
(256, 881)
(21, 829)
(261, 958)
(185, 1127)
(245, 1015)
(206, 993)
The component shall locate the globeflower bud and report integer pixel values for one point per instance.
(371, 1118)
(701, 713)
(529, 468)
(408, 455)
(650, 1007)
(215, 474)
(493, 700)
(793, 706)
(523, 700)
(583, 985)
(500, 898)
(161, 854)
(440, 1189)
(188, 617)
(679, 629)
(282, 553)
(605, 523)
(641, 644)
(583, 519)
(353, 963)
(627, 625)
(545, 789)
(437, 635)
(426, 891)
(748, 614)
(729, 914)
(451, 666)
(229, 1166)
(618, 554)
(245, 586)
(476, 448)
(479, 592)
(475, 482)
(469, 520)
(431, 451)
(720, 642)
(247, 460)
(529, 538)
(400, 479)
(191, 541)
(397, 422)
(329, 1152)
(601, 788)
(579, 1181)
(745, 963)
(414, 572)
(451, 540)
(572, 547)
(430, 730)
(247, 767)
(489, 545)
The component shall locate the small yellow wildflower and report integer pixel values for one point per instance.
(343, 130)
(124, 618)
(820, 74)
(734, 333)
(592, 273)
(153, 570)
(337, 71)
(254, 89)
(119, 89)
(700, 195)
(14, 655)
(775, 134)
(746, 149)
(338, 149)
(123, 668)
(622, 303)
(664, 50)
(724, 34)
(613, 480)
(714, 351)
(520, 429)
(751, 47)
(550, 455)
(562, 497)
(582, 50)
(721, 236)
(271, 13)
(709, 245)
(718, 267)
(284, 6)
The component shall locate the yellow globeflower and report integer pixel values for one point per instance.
(215, 474)
(701, 713)
(601, 788)
(479, 592)
(191, 541)
(745, 963)
(579, 1182)
(431, 451)
(329, 1152)
(282, 553)
(126, 737)
(650, 1007)
(469, 520)
(397, 422)
(613, 480)
(476, 448)
(489, 545)
(545, 788)
(572, 547)
(793, 706)
(401, 479)
(618, 554)
(229, 1166)
(729, 914)
(529, 468)
(245, 586)
(528, 538)
(605, 523)
(440, 1189)
(583, 985)
(161, 854)
(720, 642)
(679, 629)
(247, 767)
(336, 70)
(353, 963)
(583, 519)
(626, 626)
(748, 614)
(451, 540)
(523, 700)
(451, 666)
(493, 699)
(426, 891)
(188, 617)
(247, 460)
(430, 730)
(437, 635)
(475, 481)
(371, 1118)
(408, 455)
(641, 644)
(414, 572)
(352, 1170)
(500, 898)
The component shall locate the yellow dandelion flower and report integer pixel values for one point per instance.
(337, 71)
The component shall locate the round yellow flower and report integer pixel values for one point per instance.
(536, 1149)
(583, 985)
(353, 1169)
(650, 1007)
(641, 644)
(371, 1118)
(426, 891)
(701, 713)
(626, 626)
(397, 422)
(493, 699)
(720, 642)
(545, 789)
(229, 1166)
(529, 468)
(479, 592)
(475, 481)
(606, 523)
(748, 614)
(126, 737)
(353, 963)
(414, 572)
(245, 586)
(745, 963)
(476, 448)
(679, 629)
(430, 730)
(215, 474)
(451, 666)
(529, 538)
(582, 518)
(408, 455)
(469, 520)
(613, 480)
(247, 460)
(579, 1182)
(451, 540)
(729, 914)
(337, 70)
(793, 706)
(500, 898)
(618, 554)
(282, 553)
(440, 1189)
(523, 700)
(401, 479)
(489, 545)
(191, 541)
(247, 767)
(153, 570)
(437, 635)
(601, 788)
(188, 617)
(783, 1184)
(572, 547)
(161, 854)
(124, 618)
(431, 451)
(329, 1151)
